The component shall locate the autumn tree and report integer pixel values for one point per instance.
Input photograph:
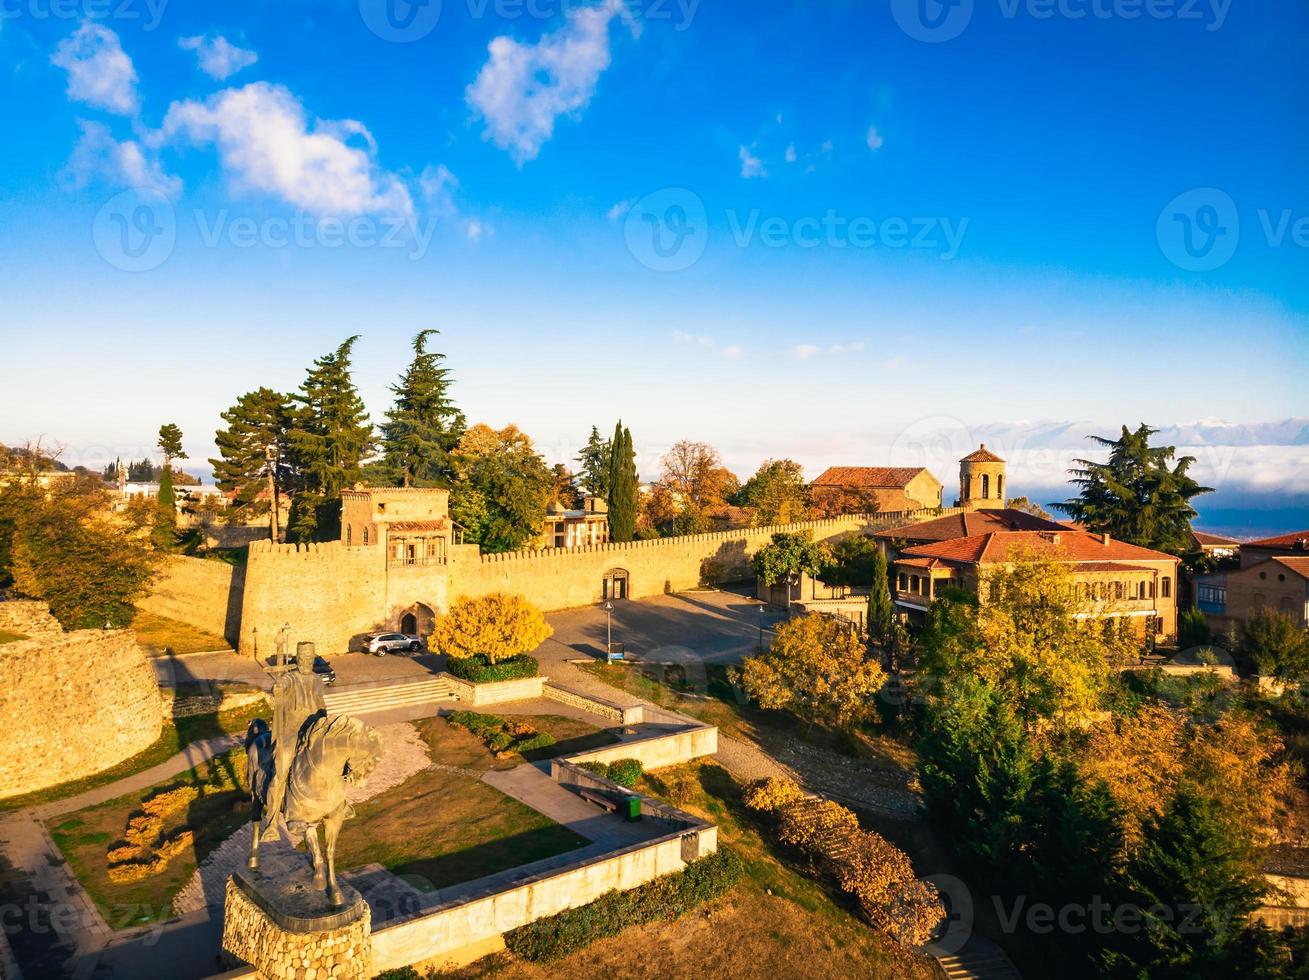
(777, 492)
(496, 627)
(697, 481)
(502, 488)
(851, 562)
(1139, 494)
(254, 458)
(1029, 507)
(423, 426)
(819, 670)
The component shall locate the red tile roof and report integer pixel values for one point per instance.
(438, 525)
(1291, 540)
(1203, 538)
(982, 455)
(1296, 564)
(875, 477)
(970, 523)
(998, 546)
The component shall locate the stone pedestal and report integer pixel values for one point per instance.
(284, 927)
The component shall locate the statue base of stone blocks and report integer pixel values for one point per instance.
(283, 925)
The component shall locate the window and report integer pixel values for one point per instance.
(365, 535)
(986, 485)
(1165, 587)
(999, 487)
(1212, 594)
(1142, 593)
(1118, 591)
(349, 535)
(903, 584)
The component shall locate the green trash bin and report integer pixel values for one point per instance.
(633, 808)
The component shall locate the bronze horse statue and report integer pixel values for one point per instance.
(331, 753)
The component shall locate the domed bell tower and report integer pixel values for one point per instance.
(981, 480)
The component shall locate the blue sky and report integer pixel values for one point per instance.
(784, 228)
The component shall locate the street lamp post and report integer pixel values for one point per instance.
(609, 628)
(760, 607)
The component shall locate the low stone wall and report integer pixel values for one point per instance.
(435, 935)
(596, 706)
(496, 692)
(209, 704)
(75, 711)
(28, 617)
(660, 750)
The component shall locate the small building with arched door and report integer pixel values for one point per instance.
(615, 584)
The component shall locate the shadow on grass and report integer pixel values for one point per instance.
(469, 864)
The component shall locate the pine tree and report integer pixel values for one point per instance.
(623, 486)
(330, 440)
(253, 454)
(596, 460)
(1138, 495)
(170, 443)
(881, 613)
(423, 426)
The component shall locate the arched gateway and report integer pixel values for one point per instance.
(417, 620)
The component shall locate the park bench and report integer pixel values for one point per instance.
(599, 799)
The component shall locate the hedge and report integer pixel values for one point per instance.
(500, 735)
(624, 772)
(479, 670)
(668, 898)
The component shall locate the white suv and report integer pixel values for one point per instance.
(380, 644)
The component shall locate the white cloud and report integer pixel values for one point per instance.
(477, 230)
(751, 165)
(619, 210)
(791, 154)
(266, 143)
(438, 185)
(523, 88)
(875, 141)
(218, 57)
(99, 72)
(806, 351)
(124, 164)
(706, 342)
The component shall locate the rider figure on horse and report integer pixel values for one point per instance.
(297, 704)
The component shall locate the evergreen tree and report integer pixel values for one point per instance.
(623, 486)
(330, 439)
(1139, 495)
(423, 426)
(165, 529)
(596, 460)
(170, 443)
(253, 454)
(881, 613)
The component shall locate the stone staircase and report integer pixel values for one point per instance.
(978, 960)
(409, 696)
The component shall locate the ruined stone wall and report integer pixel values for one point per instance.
(27, 617)
(206, 594)
(74, 709)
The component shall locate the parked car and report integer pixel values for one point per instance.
(380, 644)
(322, 668)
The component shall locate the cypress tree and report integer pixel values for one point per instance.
(330, 440)
(881, 613)
(623, 487)
(165, 529)
(257, 427)
(423, 426)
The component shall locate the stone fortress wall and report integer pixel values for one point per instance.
(206, 594)
(73, 711)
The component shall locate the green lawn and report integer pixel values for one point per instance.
(177, 734)
(161, 637)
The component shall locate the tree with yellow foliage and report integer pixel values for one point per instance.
(496, 627)
(819, 669)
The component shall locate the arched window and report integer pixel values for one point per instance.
(365, 535)
(349, 535)
(1118, 591)
(1165, 587)
(999, 487)
(986, 485)
(903, 584)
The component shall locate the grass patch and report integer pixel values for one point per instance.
(177, 734)
(85, 838)
(7, 637)
(443, 828)
(161, 637)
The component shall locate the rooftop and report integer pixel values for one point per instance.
(1296, 539)
(1205, 539)
(1072, 546)
(981, 455)
(874, 477)
(970, 523)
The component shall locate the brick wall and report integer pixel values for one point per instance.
(73, 710)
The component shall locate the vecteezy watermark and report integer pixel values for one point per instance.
(149, 11)
(935, 21)
(1199, 231)
(668, 230)
(405, 21)
(1104, 918)
(136, 231)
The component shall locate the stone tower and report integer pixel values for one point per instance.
(981, 480)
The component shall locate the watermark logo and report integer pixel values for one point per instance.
(1198, 231)
(150, 12)
(667, 231)
(135, 230)
(400, 21)
(932, 21)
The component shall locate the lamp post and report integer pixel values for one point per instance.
(609, 628)
(760, 607)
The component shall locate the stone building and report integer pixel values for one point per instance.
(1112, 578)
(566, 528)
(981, 480)
(874, 488)
(965, 524)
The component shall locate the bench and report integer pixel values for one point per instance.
(598, 798)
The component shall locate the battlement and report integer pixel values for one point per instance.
(317, 549)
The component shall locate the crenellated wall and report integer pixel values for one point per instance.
(331, 593)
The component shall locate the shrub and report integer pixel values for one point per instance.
(480, 670)
(810, 825)
(1192, 629)
(600, 769)
(771, 794)
(500, 735)
(497, 627)
(680, 786)
(667, 898)
(626, 772)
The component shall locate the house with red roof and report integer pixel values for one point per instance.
(1274, 574)
(868, 489)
